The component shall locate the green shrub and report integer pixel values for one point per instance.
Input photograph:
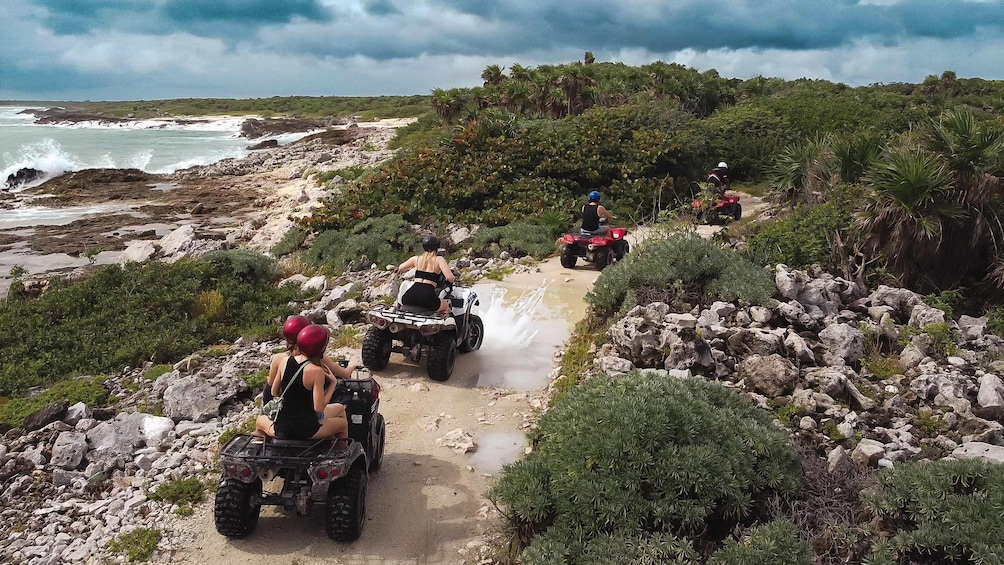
(643, 456)
(948, 301)
(291, 241)
(137, 545)
(347, 336)
(383, 241)
(127, 315)
(943, 338)
(90, 391)
(518, 239)
(882, 366)
(774, 542)
(803, 238)
(179, 491)
(256, 381)
(209, 305)
(946, 511)
(682, 270)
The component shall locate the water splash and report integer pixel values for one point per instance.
(520, 339)
(512, 325)
(46, 155)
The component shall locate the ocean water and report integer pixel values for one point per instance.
(154, 146)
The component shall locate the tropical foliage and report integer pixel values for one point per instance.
(610, 470)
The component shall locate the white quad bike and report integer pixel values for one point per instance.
(414, 331)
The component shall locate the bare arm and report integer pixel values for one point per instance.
(407, 265)
(445, 267)
(276, 381)
(603, 212)
(317, 378)
(337, 370)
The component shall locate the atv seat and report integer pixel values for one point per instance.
(414, 309)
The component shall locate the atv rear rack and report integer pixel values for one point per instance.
(251, 449)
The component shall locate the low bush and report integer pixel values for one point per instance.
(245, 427)
(89, 390)
(155, 372)
(517, 239)
(771, 543)
(383, 241)
(291, 241)
(127, 315)
(256, 381)
(136, 545)
(803, 238)
(643, 457)
(682, 270)
(179, 491)
(947, 511)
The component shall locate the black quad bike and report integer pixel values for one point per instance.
(332, 472)
(416, 332)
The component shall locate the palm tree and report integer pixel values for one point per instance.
(519, 73)
(492, 75)
(801, 174)
(906, 213)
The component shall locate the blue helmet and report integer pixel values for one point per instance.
(594, 196)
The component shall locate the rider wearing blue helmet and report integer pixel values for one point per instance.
(591, 214)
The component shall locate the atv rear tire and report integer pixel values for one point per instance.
(624, 248)
(376, 456)
(442, 356)
(376, 348)
(567, 257)
(237, 507)
(475, 334)
(737, 211)
(345, 512)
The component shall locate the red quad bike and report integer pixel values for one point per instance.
(600, 250)
(725, 207)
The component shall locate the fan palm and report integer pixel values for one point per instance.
(910, 204)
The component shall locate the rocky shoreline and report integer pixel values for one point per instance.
(235, 202)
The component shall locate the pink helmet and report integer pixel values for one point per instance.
(293, 326)
(312, 340)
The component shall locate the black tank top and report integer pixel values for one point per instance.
(591, 217)
(298, 401)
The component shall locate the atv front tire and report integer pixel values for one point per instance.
(475, 334)
(604, 259)
(442, 356)
(567, 257)
(376, 348)
(237, 507)
(345, 511)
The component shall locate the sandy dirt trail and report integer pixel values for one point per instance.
(425, 504)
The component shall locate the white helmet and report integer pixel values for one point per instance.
(723, 165)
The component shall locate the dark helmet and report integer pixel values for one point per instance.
(312, 340)
(594, 196)
(293, 326)
(430, 243)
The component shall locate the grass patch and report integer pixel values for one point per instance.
(882, 366)
(256, 381)
(578, 358)
(155, 372)
(137, 545)
(219, 350)
(244, 428)
(90, 391)
(499, 274)
(347, 336)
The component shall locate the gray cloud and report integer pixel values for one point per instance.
(202, 48)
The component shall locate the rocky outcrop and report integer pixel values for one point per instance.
(22, 177)
(808, 351)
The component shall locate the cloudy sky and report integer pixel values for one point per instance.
(145, 49)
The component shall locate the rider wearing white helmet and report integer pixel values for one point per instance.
(719, 177)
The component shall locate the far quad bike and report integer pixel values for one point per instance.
(720, 206)
(332, 472)
(600, 250)
(416, 332)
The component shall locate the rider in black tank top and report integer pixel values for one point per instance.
(297, 419)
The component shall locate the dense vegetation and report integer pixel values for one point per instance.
(126, 315)
(665, 467)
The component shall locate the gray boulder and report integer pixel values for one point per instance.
(191, 398)
(69, 450)
(770, 375)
